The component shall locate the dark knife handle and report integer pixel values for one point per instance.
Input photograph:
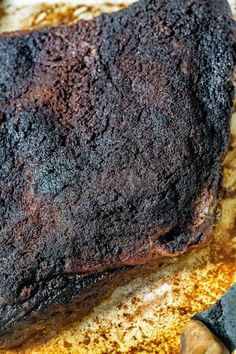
(220, 318)
(198, 339)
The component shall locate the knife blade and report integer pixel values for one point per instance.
(220, 320)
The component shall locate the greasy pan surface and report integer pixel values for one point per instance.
(148, 314)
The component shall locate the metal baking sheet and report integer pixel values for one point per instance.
(148, 314)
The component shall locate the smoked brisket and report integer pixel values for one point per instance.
(112, 133)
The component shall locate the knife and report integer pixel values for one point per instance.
(212, 331)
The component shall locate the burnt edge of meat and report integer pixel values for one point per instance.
(111, 136)
(59, 302)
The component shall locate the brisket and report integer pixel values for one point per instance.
(112, 132)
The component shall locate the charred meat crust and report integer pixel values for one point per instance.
(111, 136)
(56, 302)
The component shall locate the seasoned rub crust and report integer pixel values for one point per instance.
(111, 136)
